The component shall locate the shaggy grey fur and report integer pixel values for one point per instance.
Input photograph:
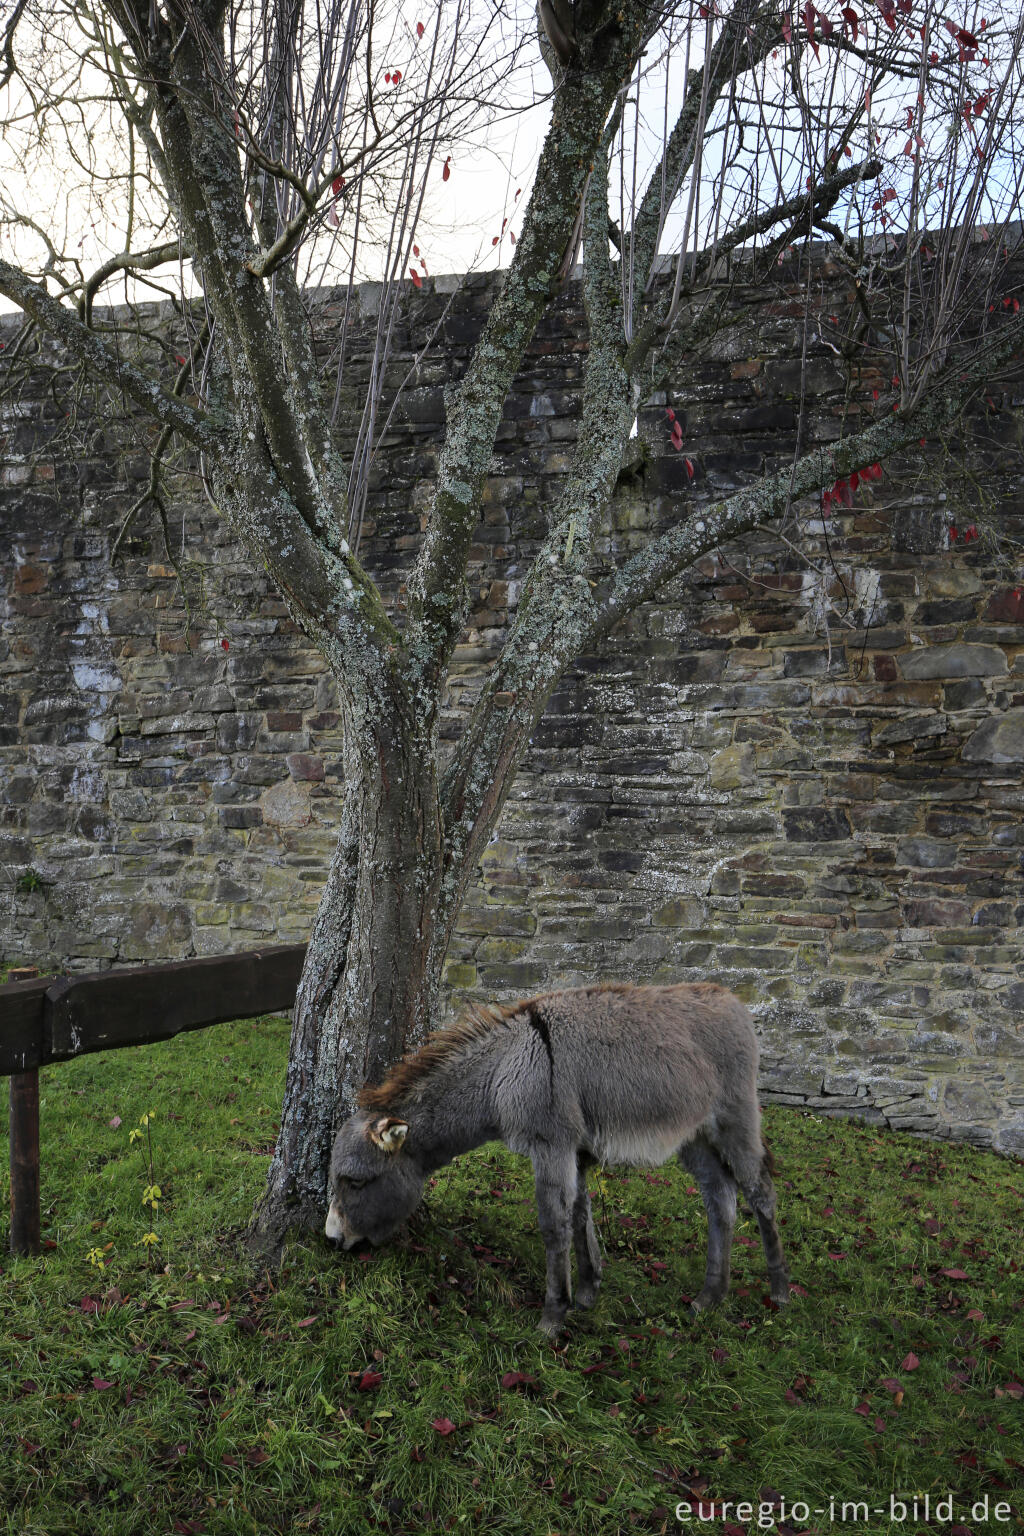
(612, 1074)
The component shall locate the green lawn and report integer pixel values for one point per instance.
(355, 1393)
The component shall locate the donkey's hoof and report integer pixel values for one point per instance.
(551, 1326)
(779, 1288)
(586, 1294)
(705, 1301)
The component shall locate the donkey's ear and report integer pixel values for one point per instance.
(389, 1133)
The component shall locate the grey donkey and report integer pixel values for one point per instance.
(608, 1074)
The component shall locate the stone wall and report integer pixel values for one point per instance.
(826, 819)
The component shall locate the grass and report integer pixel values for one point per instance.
(205, 1397)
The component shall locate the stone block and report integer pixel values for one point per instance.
(999, 741)
(733, 767)
(816, 825)
(953, 661)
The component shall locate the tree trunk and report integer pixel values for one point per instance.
(369, 986)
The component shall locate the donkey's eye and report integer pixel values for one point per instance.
(353, 1183)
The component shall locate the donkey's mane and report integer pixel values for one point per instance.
(478, 1021)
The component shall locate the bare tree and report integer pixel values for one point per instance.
(685, 139)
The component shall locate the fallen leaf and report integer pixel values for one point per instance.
(444, 1427)
(517, 1379)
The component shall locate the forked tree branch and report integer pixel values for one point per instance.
(197, 427)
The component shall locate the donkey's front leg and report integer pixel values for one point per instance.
(554, 1172)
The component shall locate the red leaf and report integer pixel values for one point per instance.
(911, 1362)
(670, 413)
(307, 1322)
(864, 1409)
(100, 1384)
(415, 250)
(447, 169)
(338, 185)
(850, 15)
(787, 28)
(955, 1274)
(420, 29)
(444, 1427)
(369, 1381)
(224, 645)
(517, 1379)
(967, 38)
(891, 1385)
(837, 1255)
(689, 474)
(417, 281)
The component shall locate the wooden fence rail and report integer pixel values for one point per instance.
(57, 1018)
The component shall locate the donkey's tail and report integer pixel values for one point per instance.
(769, 1164)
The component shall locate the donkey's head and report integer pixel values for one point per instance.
(374, 1185)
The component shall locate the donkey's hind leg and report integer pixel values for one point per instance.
(718, 1191)
(588, 1252)
(744, 1149)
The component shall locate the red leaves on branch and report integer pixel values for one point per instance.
(841, 494)
(447, 168)
(417, 281)
(809, 13)
(888, 11)
(338, 185)
(850, 16)
(420, 29)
